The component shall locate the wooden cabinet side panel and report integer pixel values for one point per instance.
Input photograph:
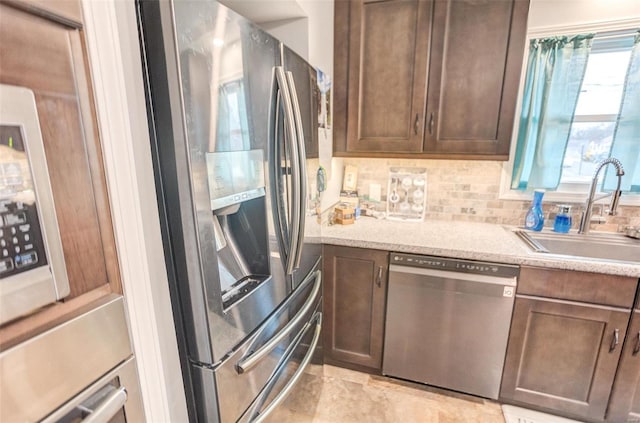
(596, 288)
(625, 398)
(559, 356)
(95, 159)
(354, 305)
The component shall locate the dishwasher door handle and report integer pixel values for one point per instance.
(470, 277)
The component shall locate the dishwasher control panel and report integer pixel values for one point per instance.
(455, 265)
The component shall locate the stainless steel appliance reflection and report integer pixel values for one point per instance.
(448, 322)
(81, 370)
(233, 115)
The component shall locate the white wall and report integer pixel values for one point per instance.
(293, 32)
(545, 13)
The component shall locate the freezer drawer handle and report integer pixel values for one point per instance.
(108, 407)
(260, 416)
(251, 360)
(615, 340)
(636, 349)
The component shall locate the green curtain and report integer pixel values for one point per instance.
(626, 139)
(555, 70)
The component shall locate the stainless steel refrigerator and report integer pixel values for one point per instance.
(233, 123)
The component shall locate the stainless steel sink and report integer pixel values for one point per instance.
(603, 246)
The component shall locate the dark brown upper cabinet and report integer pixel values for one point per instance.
(432, 79)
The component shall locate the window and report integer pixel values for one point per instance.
(578, 106)
(597, 109)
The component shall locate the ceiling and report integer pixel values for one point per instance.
(261, 11)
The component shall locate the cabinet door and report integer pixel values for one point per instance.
(476, 60)
(625, 399)
(562, 356)
(387, 48)
(355, 286)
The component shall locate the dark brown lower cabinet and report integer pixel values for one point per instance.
(625, 398)
(562, 356)
(355, 286)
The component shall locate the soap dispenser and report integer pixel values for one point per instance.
(534, 219)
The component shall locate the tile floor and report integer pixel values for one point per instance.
(328, 394)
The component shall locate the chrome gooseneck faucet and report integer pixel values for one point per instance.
(615, 195)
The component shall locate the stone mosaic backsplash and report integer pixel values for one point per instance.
(466, 190)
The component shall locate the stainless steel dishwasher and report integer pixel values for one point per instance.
(448, 322)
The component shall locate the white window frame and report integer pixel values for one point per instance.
(572, 192)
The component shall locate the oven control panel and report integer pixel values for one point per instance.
(21, 245)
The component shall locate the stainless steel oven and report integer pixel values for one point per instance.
(81, 370)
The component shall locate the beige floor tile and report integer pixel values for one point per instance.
(345, 374)
(334, 395)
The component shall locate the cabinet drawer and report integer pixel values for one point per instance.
(618, 291)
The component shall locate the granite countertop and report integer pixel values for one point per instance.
(467, 240)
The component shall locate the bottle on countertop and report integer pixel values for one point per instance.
(534, 220)
(562, 223)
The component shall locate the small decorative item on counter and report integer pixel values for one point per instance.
(562, 222)
(534, 219)
(350, 197)
(350, 179)
(344, 214)
(407, 194)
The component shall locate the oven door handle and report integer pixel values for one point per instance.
(248, 361)
(108, 407)
(259, 416)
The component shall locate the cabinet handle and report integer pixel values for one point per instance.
(431, 124)
(379, 278)
(615, 340)
(415, 124)
(636, 349)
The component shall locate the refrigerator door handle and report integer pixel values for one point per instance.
(290, 129)
(258, 416)
(278, 190)
(247, 362)
(301, 170)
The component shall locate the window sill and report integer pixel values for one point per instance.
(630, 200)
(574, 193)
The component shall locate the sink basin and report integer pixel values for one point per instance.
(603, 246)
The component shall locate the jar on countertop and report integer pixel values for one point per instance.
(562, 222)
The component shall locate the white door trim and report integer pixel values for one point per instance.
(114, 57)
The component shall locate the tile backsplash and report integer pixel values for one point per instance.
(469, 191)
